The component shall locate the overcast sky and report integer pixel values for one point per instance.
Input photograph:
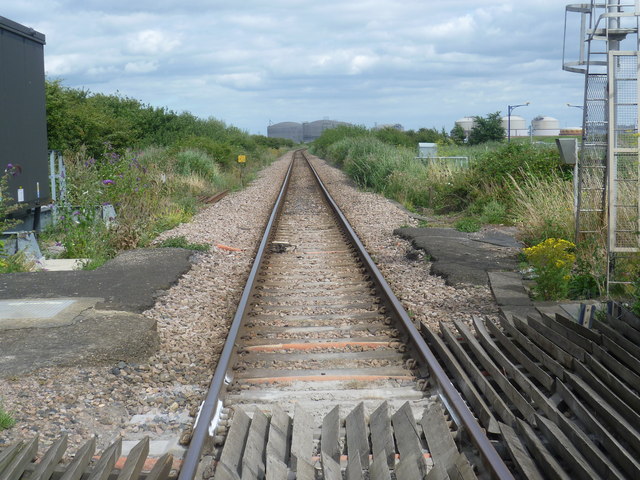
(414, 62)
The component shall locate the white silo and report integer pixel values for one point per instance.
(518, 126)
(467, 124)
(545, 126)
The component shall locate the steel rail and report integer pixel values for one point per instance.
(452, 398)
(220, 377)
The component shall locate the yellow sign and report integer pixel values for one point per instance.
(242, 158)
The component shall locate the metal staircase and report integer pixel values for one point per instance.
(608, 194)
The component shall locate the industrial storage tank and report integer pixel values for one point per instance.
(313, 130)
(518, 126)
(467, 124)
(545, 126)
(288, 130)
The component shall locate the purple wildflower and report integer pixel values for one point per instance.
(107, 181)
(76, 213)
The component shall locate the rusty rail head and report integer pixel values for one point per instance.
(218, 385)
(450, 395)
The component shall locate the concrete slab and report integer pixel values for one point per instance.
(56, 318)
(42, 312)
(61, 264)
(129, 282)
(508, 289)
(460, 258)
(94, 338)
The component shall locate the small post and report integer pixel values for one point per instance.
(242, 160)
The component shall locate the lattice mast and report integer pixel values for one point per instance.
(608, 194)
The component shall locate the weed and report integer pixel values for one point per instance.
(493, 212)
(635, 306)
(467, 225)
(182, 242)
(582, 284)
(543, 208)
(552, 261)
(6, 419)
(17, 262)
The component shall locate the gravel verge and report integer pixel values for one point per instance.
(160, 397)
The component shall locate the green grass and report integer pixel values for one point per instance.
(151, 191)
(182, 242)
(6, 419)
(467, 225)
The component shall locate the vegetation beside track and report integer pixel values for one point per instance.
(152, 165)
(519, 183)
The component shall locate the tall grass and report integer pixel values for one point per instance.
(151, 191)
(543, 208)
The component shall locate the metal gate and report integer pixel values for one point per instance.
(623, 172)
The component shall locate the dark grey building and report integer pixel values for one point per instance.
(301, 132)
(313, 130)
(288, 130)
(23, 122)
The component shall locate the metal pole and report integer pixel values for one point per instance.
(510, 108)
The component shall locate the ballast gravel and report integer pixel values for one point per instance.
(160, 398)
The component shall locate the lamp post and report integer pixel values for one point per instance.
(511, 109)
(581, 107)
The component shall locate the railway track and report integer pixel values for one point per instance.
(325, 376)
(319, 344)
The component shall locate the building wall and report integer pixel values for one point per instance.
(302, 132)
(23, 123)
(288, 130)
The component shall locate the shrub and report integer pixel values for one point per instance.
(467, 225)
(493, 212)
(552, 261)
(189, 162)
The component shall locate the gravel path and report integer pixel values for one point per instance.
(161, 397)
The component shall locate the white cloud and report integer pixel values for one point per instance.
(141, 67)
(409, 62)
(239, 81)
(152, 42)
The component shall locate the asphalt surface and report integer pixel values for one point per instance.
(465, 258)
(130, 282)
(106, 325)
(103, 325)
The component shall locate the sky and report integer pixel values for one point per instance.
(369, 62)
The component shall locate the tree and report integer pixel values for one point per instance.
(487, 129)
(457, 135)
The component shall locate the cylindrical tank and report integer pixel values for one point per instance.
(466, 123)
(313, 130)
(289, 130)
(518, 126)
(545, 126)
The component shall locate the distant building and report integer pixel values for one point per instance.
(542, 126)
(313, 130)
(302, 132)
(288, 130)
(575, 131)
(467, 124)
(518, 126)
